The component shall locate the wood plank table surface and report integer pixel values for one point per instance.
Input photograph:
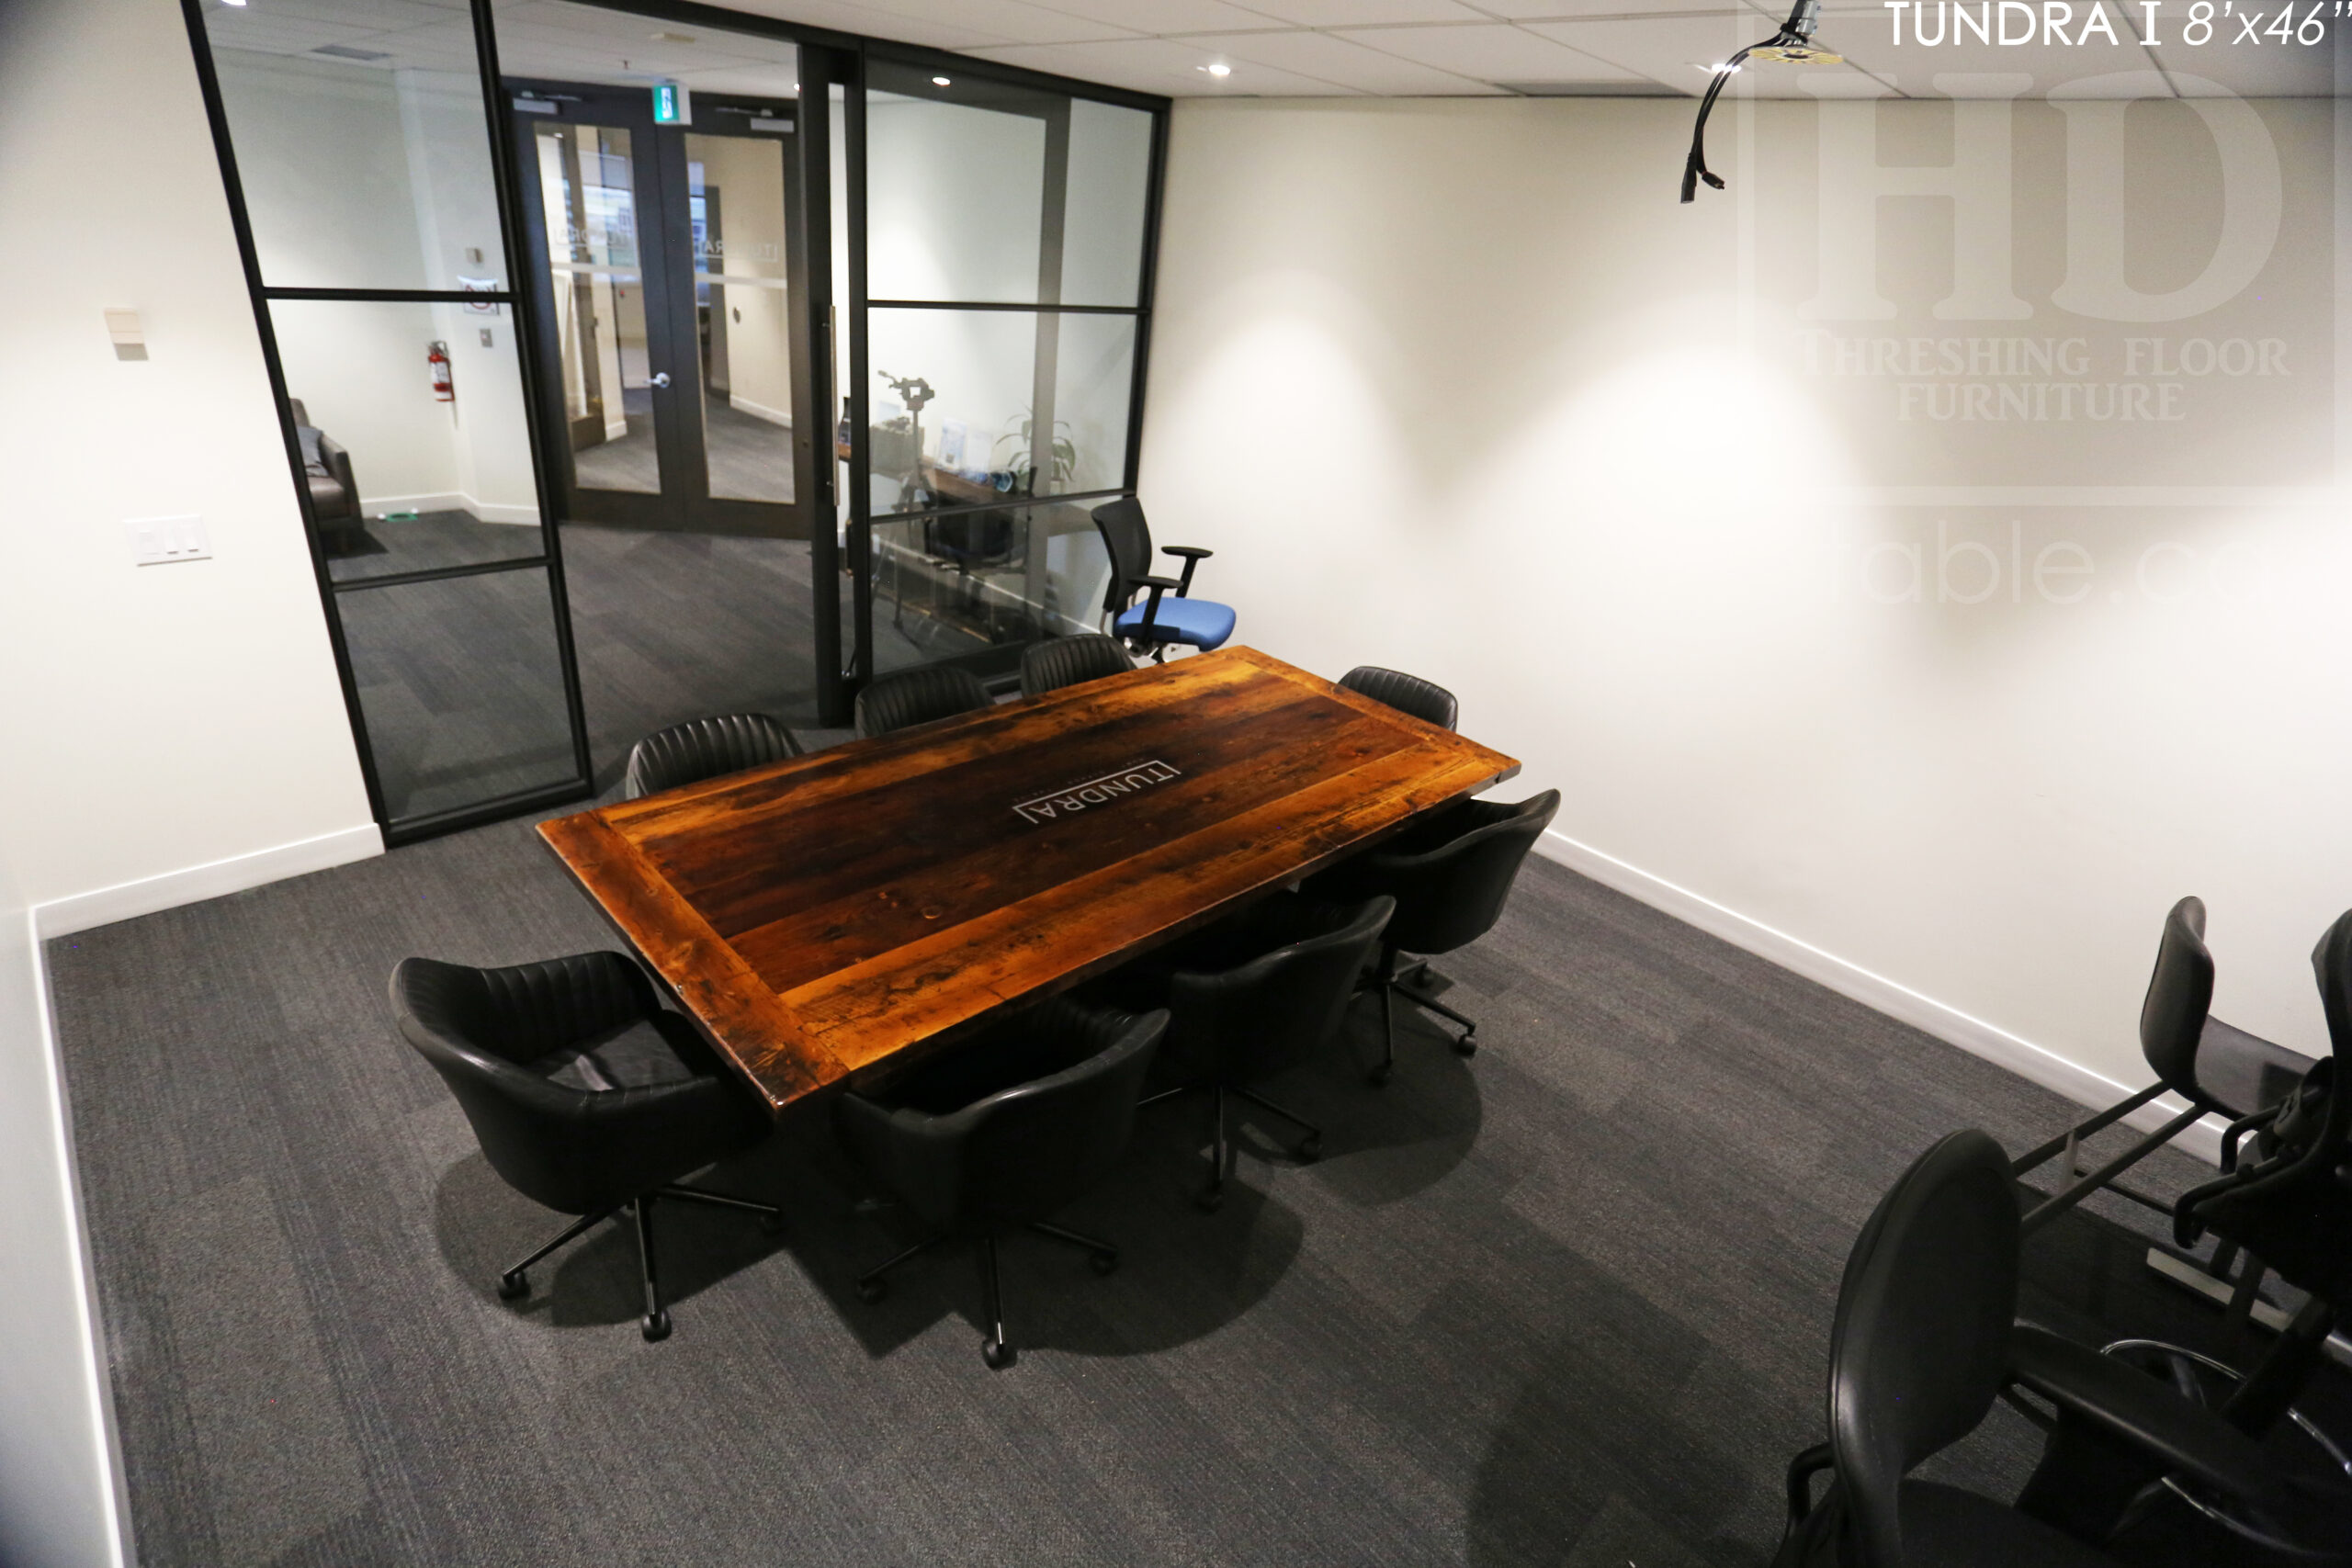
(825, 918)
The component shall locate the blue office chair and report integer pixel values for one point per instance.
(1152, 625)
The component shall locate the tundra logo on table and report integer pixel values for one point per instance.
(1095, 792)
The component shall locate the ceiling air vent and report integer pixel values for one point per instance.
(1617, 89)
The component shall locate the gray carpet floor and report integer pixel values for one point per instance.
(749, 458)
(1565, 1304)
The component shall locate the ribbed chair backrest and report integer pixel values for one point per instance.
(1425, 700)
(918, 697)
(1126, 538)
(1921, 1342)
(2180, 993)
(577, 1150)
(1282, 1006)
(1066, 661)
(1030, 1149)
(1451, 895)
(705, 749)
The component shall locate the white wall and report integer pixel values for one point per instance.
(172, 730)
(1458, 387)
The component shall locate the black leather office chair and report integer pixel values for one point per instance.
(1259, 997)
(918, 697)
(2217, 1069)
(1172, 614)
(1007, 1132)
(586, 1096)
(1451, 877)
(1926, 1337)
(1066, 661)
(705, 749)
(1425, 700)
(329, 492)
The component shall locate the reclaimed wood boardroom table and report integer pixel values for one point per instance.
(828, 920)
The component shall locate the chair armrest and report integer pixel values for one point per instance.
(1802, 1470)
(1158, 586)
(1193, 555)
(2129, 1405)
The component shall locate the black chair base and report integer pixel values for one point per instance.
(996, 1350)
(1413, 984)
(516, 1283)
(1307, 1150)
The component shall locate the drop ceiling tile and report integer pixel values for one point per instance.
(1112, 18)
(275, 35)
(1363, 13)
(1492, 51)
(2269, 72)
(1330, 58)
(1679, 52)
(1008, 21)
(1974, 70)
(1608, 10)
(1159, 65)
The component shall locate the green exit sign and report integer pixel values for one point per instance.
(671, 106)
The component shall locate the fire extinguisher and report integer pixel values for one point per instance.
(436, 360)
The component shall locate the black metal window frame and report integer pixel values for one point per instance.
(843, 64)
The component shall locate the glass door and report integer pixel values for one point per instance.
(673, 329)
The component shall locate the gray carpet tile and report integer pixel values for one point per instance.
(1565, 1302)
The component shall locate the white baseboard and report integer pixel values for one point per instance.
(2019, 1055)
(375, 506)
(128, 900)
(499, 511)
(451, 501)
(759, 410)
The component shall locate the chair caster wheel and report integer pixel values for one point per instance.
(1311, 1148)
(872, 1289)
(1103, 1262)
(1378, 1076)
(1466, 1046)
(771, 1224)
(1211, 1200)
(997, 1354)
(514, 1287)
(656, 1325)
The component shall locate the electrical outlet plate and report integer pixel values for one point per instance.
(157, 540)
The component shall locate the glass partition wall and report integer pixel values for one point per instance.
(500, 312)
(366, 191)
(998, 325)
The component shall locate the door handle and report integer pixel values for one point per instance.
(661, 380)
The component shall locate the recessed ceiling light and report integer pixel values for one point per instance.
(1710, 70)
(240, 5)
(1218, 68)
(941, 82)
(672, 38)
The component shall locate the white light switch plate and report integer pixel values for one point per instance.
(154, 540)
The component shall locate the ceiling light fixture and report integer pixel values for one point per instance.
(239, 5)
(1792, 45)
(1218, 68)
(941, 82)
